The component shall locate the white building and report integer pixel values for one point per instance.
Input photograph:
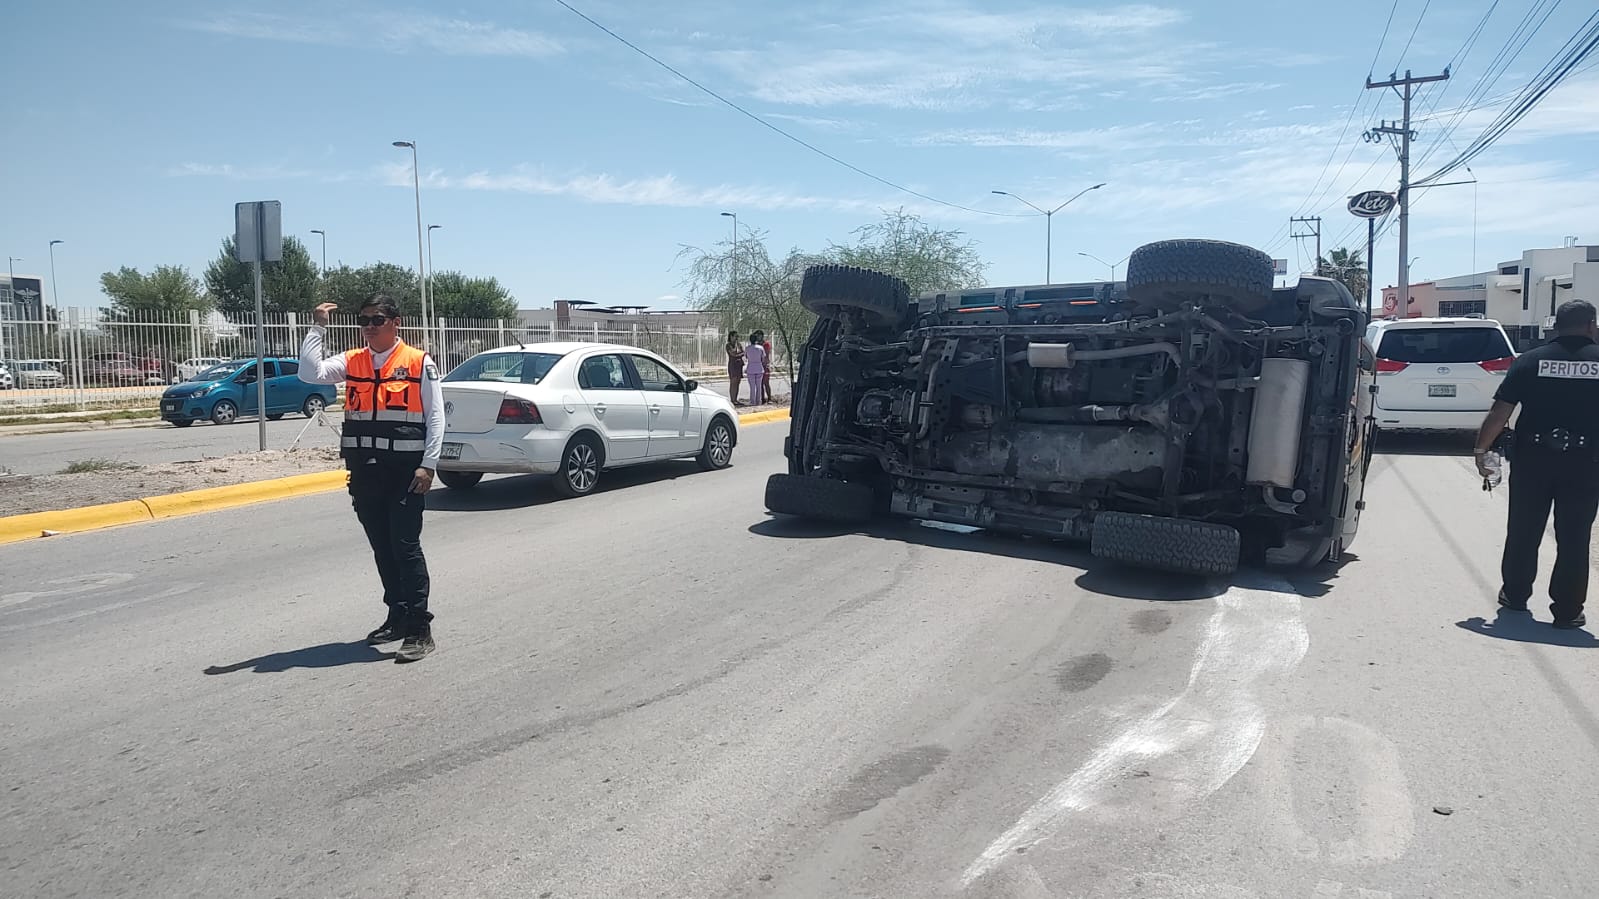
(1521, 294)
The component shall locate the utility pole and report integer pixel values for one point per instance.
(1311, 220)
(1406, 89)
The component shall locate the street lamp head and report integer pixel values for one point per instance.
(730, 215)
(1000, 193)
(319, 231)
(1097, 186)
(405, 144)
(54, 242)
(431, 227)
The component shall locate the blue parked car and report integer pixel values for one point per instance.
(223, 393)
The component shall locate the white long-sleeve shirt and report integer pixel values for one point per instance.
(314, 369)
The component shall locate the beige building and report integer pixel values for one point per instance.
(1521, 294)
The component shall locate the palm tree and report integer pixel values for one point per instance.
(1346, 266)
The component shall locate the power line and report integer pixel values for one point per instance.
(769, 126)
(1424, 8)
(1572, 53)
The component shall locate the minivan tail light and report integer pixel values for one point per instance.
(1390, 367)
(519, 412)
(1497, 366)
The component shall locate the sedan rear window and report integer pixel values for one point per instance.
(1442, 345)
(511, 368)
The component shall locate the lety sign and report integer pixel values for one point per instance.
(1372, 204)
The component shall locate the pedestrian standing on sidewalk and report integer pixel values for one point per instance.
(755, 366)
(735, 367)
(766, 377)
(1554, 461)
(393, 433)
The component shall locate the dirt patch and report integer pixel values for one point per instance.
(46, 493)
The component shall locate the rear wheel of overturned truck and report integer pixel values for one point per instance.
(1165, 274)
(1165, 544)
(821, 499)
(832, 291)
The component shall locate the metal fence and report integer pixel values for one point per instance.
(83, 359)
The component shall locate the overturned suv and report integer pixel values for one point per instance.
(1203, 418)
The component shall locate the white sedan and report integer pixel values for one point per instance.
(573, 410)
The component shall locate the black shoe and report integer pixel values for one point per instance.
(415, 647)
(388, 633)
(1509, 606)
(1571, 624)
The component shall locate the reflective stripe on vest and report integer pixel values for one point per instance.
(383, 409)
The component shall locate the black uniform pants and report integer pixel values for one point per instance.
(1569, 482)
(392, 518)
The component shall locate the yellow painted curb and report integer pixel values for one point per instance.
(761, 418)
(69, 521)
(190, 502)
(193, 502)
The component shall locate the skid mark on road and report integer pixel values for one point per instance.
(1193, 744)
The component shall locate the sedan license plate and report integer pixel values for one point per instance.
(451, 451)
(1440, 390)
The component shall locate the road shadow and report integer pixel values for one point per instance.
(1445, 443)
(1521, 627)
(497, 494)
(326, 655)
(1094, 575)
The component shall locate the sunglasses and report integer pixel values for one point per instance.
(371, 321)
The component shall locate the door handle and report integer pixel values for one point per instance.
(600, 409)
(655, 410)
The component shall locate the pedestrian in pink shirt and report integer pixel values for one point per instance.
(755, 366)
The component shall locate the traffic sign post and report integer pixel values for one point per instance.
(258, 238)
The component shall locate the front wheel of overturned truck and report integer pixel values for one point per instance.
(818, 498)
(1166, 544)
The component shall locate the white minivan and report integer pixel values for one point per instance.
(1437, 374)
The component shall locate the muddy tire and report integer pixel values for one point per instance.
(822, 499)
(830, 291)
(1168, 273)
(1166, 544)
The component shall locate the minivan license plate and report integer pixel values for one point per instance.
(451, 451)
(1440, 390)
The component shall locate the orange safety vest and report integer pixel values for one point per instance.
(383, 417)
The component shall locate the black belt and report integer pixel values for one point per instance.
(1559, 440)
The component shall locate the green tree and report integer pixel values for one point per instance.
(350, 287)
(749, 289)
(925, 257)
(168, 291)
(1345, 265)
(286, 286)
(453, 295)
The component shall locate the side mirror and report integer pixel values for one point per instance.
(690, 386)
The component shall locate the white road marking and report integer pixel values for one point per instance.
(1196, 742)
(67, 586)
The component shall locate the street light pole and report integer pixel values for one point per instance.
(1049, 221)
(1110, 265)
(733, 281)
(421, 275)
(11, 295)
(55, 289)
(431, 229)
(324, 236)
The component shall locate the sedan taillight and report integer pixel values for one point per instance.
(519, 412)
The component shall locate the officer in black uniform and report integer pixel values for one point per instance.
(1554, 461)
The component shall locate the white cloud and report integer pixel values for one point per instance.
(395, 32)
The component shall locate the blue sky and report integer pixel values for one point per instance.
(568, 166)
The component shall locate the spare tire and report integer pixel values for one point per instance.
(830, 290)
(819, 498)
(1205, 272)
(1165, 544)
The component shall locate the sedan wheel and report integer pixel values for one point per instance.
(224, 412)
(580, 468)
(313, 405)
(718, 450)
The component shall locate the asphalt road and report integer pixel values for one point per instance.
(659, 691)
(36, 454)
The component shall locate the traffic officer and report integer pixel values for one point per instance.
(393, 433)
(1554, 461)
